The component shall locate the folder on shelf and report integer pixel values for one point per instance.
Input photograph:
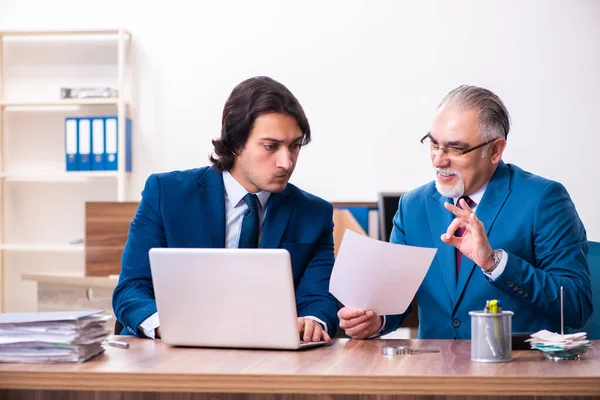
(111, 148)
(71, 144)
(98, 153)
(84, 145)
(110, 161)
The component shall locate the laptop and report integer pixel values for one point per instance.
(238, 298)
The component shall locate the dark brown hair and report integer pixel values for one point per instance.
(249, 100)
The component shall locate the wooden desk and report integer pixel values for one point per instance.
(334, 372)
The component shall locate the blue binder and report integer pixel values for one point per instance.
(98, 153)
(85, 144)
(111, 155)
(111, 148)
(71, 142)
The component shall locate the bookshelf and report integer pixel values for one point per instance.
(42, 205)
(59, 103)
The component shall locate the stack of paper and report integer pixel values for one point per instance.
(72, 336)
(558, 345)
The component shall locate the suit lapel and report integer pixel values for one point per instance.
(211, 192)
(495, 195)
(439, 220)
(278, 214)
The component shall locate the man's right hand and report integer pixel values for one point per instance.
(359, 324)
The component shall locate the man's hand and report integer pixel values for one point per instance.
(474, 242)
(311, 331)
(157, 333)
(359, 324)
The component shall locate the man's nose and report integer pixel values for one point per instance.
(284, 160)
(440, 159)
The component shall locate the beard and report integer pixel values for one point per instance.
(453, 192)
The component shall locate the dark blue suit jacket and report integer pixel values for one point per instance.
(534, 220)
(187, 209)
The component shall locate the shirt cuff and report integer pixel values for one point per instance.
(492, 276)
(378, 333)
(149, 325)
(318, 320)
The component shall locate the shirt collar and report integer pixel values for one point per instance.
(477, 196)
(236, 192)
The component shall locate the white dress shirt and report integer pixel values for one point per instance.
(235, 207)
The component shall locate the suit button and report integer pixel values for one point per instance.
(525, 294)
(509, 283)
(515, 288)
(520, 291)
(455, 323)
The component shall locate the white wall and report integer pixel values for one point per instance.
(369, 75)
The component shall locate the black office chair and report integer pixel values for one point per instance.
(118, 327)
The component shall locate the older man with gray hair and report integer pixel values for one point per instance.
(501, 232)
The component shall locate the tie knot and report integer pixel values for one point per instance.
(468, 200)
(252, 201)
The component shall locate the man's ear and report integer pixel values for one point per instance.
(496, 150)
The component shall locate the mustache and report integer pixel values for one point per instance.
(447, 172)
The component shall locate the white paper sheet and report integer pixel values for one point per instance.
(373, 275)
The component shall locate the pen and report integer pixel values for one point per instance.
(562, 315)
(116, 343)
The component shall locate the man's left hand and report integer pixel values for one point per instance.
(474, 242)
(312, 331)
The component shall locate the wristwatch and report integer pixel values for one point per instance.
(497, 257)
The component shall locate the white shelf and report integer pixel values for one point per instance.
(78, 280)
(43, 248)
(91, 32)
(60, 103)
(45, 172)
(73, 176)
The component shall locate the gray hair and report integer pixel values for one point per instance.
(494, 120)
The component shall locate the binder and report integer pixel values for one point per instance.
(84, 145)
(98, 153)
(111, 148)
(111, 155)
(71, 142)
(128, 128)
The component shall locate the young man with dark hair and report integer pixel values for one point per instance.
(242, 201)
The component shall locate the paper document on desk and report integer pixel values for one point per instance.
(373, 275)
(71, 336)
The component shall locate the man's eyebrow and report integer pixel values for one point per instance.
(279, 141)
(270, 139)
(452, 143)
(457, 143)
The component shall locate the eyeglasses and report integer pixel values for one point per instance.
(451, 150)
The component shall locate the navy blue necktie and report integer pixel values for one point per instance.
(249, 232)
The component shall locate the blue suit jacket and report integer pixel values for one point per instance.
(187, 209)
(534, 220)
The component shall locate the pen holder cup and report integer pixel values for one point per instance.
(491, 335)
